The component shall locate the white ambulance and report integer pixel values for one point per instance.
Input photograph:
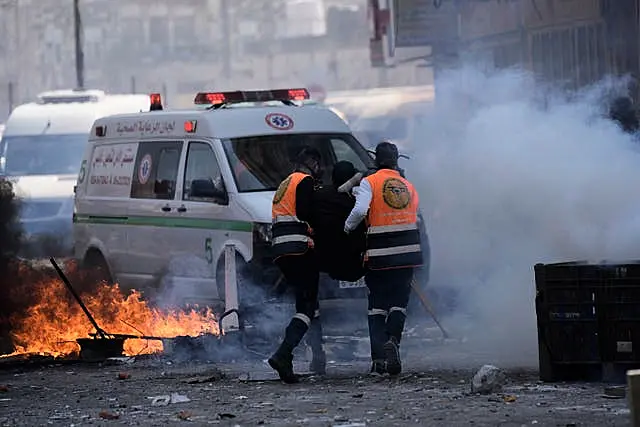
(41, 149)
(174, 193)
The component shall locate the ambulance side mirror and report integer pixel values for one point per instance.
(206, 189)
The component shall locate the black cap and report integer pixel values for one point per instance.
(386, 155)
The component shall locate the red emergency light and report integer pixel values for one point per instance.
(190, 126)
(217, 98)
(156, 102)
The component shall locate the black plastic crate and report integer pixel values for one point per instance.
(567, 292)
(588, 319)
(622, 343)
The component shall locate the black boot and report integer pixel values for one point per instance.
(395, 326)
(377, 338)
(379, 367)
(282, 359)
(392, 356)
(315, 340)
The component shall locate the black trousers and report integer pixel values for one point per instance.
(389, 292)
(301, 272)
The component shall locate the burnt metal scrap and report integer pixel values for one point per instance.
(102, 345)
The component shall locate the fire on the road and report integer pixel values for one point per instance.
(53, 321)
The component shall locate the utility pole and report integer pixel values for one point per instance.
(226, 38)
(78, 39)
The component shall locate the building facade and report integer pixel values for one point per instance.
(179, 47)
(569, 42)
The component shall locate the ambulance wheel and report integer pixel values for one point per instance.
(96, 267)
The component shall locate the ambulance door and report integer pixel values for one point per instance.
(207, 210)
(153, 210)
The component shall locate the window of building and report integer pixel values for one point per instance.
(583, 56)
(184, 31)
(159, 31)
(133, 32)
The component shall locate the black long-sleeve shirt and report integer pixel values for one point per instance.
(304, 199)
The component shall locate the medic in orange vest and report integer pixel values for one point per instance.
(389, 203)
(292, 244)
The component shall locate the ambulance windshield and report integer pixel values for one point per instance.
(260, 163)
(43, 154)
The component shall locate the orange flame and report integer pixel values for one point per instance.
(53, 321)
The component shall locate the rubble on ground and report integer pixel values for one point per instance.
(488, 379)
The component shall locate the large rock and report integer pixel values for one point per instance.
(488, 379)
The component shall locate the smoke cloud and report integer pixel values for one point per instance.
(512, 173)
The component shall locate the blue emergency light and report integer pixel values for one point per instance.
(220, 98)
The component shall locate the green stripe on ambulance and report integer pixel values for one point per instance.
(197, 223)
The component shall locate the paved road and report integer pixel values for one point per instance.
(248, 394)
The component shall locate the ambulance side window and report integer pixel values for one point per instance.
(202, 177)
(156, 171)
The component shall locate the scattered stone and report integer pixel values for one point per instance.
(206, 380)
(120, 360)
(124, 376)
(488, 379)
(226, 416)
(105, 415)
(184, 415)
(167, 399)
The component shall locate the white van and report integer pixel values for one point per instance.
(164, 192)
(42, 147)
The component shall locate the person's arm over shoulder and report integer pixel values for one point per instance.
(304, 199)
(359, 211)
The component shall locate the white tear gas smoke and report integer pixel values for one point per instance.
(526, 175)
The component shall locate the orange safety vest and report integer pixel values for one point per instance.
(290, 235)
(393, 237)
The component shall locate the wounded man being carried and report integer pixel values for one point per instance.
(338, 254)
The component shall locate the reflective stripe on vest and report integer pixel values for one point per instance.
(290, 236)
(393, 237)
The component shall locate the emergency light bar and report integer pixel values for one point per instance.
(219, 98)
(156, 102)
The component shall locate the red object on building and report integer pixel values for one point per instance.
(379, 24)
(379, 18)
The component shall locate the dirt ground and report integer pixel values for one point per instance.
(248, 393)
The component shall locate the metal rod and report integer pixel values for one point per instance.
(11, 101)
(427, 306)
(226, 38)
(77, 22)
(64, 279)
(134, 337)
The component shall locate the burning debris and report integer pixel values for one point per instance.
(53, 324)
